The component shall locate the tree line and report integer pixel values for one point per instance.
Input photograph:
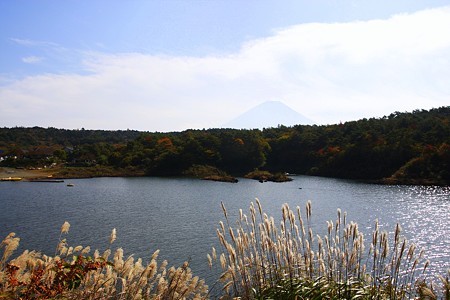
(403, 147)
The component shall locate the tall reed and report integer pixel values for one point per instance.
(262, 259)
(73, 274)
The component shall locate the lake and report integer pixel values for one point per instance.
(179, 216)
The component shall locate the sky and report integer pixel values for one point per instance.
(175, 65)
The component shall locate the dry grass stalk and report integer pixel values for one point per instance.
(258, 255)
(71, 274)
(258, 258)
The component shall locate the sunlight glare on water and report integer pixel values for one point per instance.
(424, 212)
(179, 215)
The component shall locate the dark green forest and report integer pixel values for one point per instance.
(403, 147)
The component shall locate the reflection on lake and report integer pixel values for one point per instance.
(179, 215)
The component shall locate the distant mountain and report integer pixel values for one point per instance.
(268, 114)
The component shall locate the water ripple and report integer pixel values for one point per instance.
(179, 216)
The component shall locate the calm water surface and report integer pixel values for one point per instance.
(179, 216)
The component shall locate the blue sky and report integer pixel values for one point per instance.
(174, 65)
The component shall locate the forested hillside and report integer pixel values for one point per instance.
(400, 148)
(406, 147)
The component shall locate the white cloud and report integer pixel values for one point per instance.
(328, 72)
(34, 43)
(32, 59)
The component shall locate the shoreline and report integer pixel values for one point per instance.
(93, 172)
(26, 174)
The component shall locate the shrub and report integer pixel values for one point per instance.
(72, 274)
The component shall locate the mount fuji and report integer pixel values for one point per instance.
(268, 114)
